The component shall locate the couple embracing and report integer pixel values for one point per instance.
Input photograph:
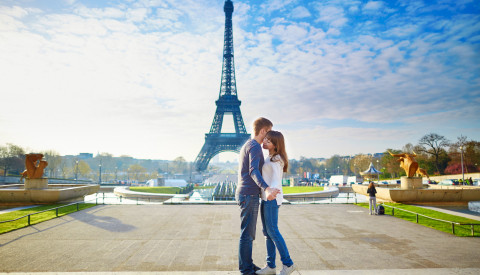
(260, 178)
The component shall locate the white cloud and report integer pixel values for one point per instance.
(14, 11)
(8, 23)
(108, 12)
(137, 15)
(274, 5)
(402, 31)
(81, 83)
(292, 33)
(144, 83)
(332, 15)
(300, 12)
(373, 6)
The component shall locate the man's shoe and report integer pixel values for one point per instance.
(286, 270)
(266, 270)
(255, 268)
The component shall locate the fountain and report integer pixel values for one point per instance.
(412, 190)
(36, 189)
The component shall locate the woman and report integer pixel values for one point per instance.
(372, 200)
(275, 164)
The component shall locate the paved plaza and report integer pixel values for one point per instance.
(203, 239)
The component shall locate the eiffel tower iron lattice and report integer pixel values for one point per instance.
(227, 103)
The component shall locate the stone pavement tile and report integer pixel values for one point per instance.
(436, 271)
(182, 238)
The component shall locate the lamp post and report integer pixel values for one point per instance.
(378, 168)
(461, 154)
(100, 174)
(338, 170)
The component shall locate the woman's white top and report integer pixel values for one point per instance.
(272, 173)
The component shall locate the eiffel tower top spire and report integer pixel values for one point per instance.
(228, 86)
(227, 99)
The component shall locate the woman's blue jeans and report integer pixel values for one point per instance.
(273, 238)
(372, 203)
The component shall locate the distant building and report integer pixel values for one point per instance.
(85, 156)
(378, 155)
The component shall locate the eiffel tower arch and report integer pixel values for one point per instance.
(227, 103)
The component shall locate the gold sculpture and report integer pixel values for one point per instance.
(34, 170)
(409, 164)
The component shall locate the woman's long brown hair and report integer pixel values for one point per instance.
(371, 185)
(276, 138)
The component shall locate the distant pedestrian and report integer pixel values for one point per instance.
(372, 201)
(470, 181)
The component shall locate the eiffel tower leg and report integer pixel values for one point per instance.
(202, 160)
(238, 120)
(215, 144)
(217, 122)
(209, 150)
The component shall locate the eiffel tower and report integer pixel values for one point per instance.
(227, 103)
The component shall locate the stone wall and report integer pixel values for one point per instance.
(455, 177)
(16, 180)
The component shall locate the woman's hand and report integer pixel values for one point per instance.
(271, 193)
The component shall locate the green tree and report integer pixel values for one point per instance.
(391, 165)
(108, 165)
(306, 166)
(54, 161)
(179, 166)
(360, 163)
(408, 148)
(334, 164)
(434, 145)
(137, 172)
(293, 166)
(84, 169)
(471, 153)
(12, 159)
(65, 168)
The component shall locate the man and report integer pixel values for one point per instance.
(250, 182)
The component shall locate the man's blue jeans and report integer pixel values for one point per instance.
(273, 238)
(248, 215)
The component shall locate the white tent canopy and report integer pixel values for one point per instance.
(370, 171)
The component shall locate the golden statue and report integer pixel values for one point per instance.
(34, 170)
(409, 164)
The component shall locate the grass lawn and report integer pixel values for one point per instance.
(301, 189)
(34, 219)
(460, 230)
(159, 189)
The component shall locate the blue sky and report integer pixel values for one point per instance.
(141, 77)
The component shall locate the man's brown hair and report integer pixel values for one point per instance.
(261, 123)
